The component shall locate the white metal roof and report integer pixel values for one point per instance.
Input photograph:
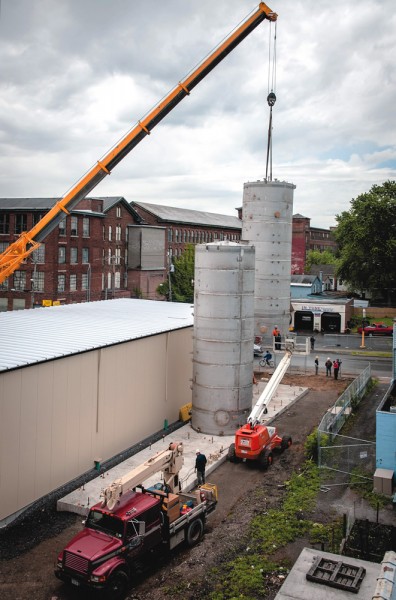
(31, 336)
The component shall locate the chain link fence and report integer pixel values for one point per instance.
(341, 455)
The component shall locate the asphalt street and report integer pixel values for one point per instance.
(345, 347)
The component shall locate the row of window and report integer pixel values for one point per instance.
(73, 255)
(76, 282)
(195, 236)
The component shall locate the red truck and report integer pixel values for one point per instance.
(132, 523)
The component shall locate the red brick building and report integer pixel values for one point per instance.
(184, 226)
(305, 238)
(108, 248)
(85, 258)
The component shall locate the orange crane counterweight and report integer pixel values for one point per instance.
(19, 250)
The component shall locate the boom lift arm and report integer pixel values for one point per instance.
(168, 461)
(260, 408)
(14, 255)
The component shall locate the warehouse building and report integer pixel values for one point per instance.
(80, 384)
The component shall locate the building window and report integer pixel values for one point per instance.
(61, 282)
(117, 280)
(109, 256)
(84, 281)
(126, 234)
(61, 255)
(38, 281)
(5, 223)
(74, 226)
(118, 233)
(118, 212)
(3, 246)
(85, 255)
(73, 256)
(4, 285)
(38, 255)
(62, 227)
(73, 282)
(110, 233)
(103, 232)
(86, 227)
(36, 218)
(20, 223)
(170, 234)
(19, 280)
(118, 256)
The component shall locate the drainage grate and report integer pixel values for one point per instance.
(336, 574)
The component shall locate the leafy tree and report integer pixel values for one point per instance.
(181, 279)
(183, 276)
(366, 237)
(316, 257)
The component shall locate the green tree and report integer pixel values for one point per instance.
(366, 237)
(316, 257)
(181, 279)
(183, 276)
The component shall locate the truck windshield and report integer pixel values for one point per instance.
(106, 523)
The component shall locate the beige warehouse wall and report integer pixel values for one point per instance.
(56, 418)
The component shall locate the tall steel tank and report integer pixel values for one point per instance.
(267, 217)
(223, 336)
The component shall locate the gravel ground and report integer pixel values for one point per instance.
(28, 551)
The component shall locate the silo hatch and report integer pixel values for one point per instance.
(336, 574)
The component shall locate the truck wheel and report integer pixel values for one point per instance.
(286, 442)
(117, 586)
(265, 459)
(194, 532)
(231, 456)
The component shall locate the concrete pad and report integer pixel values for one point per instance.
(297, 587)
(214, 447)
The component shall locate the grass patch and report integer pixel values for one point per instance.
(362, 483)
(252, 573)
(373, 353)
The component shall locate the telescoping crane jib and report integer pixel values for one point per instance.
(28, 241)
(169, 461)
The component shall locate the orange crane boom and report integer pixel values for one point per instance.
(28, 241)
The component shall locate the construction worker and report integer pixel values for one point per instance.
(200, 464)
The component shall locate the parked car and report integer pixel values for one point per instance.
(257, 350)
(377, 329)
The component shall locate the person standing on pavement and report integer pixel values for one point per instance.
(328, 365)
(312, 340)
(316, 364)
(339, 367)
(200, 465)
(336, 367)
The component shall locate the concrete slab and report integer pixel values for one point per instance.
(297, 587)
(214, 447)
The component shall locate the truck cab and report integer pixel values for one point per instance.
(100, 556)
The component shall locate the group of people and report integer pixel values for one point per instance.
(335, 365)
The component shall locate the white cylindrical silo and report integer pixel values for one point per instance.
(223, 336)
(267, 217)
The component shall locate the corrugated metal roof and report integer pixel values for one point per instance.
(39, 335)
(193, 217)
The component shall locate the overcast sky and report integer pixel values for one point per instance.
(76, 75)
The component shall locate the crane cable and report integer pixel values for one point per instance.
(271, 97)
